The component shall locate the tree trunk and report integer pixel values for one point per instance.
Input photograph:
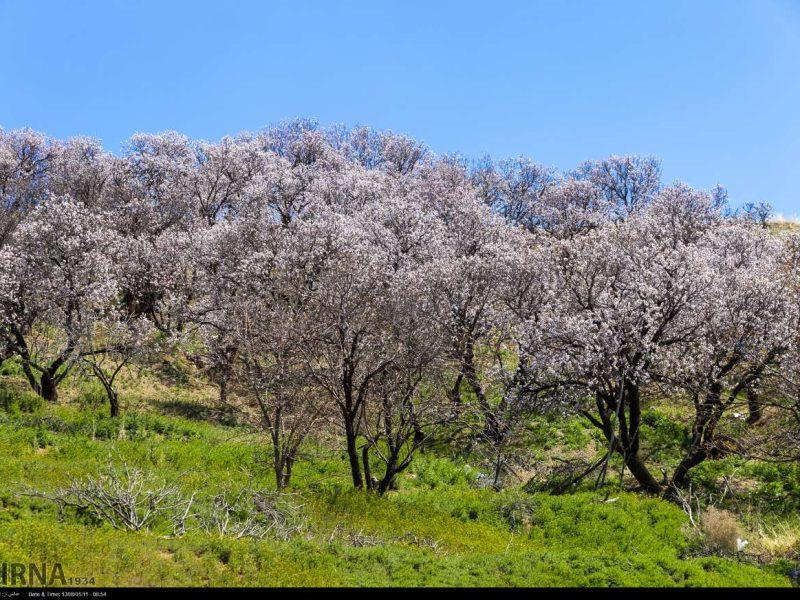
(32, 381)
(283, 472)
(625, 403)
(455, 392)
(352, 453)
(368, 479)
(282, 459)
(113, 402)
(47, 387)
(387, 481)
(705, 422)
(642, 474)
(632, 439)
(419, 437)
(491, 426)
(223, 391)
(498, 471)
(393, 469)
(689, 461)
(287, 472)
(754, 406)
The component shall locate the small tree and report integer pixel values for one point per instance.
(117, 342)
(58, 280)
(406, 408)
(270, 329)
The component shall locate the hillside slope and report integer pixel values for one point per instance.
(439, 528)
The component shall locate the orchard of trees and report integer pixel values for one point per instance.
(351, 282)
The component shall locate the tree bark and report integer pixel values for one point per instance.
(754, 407)
(491, 426)
(691, 460)
(642, 474)
(625, 403)
(47, 387)
(352, 453)
(113, 402)
(706, 418)
(454, 393)
(283, 471)
(368, 480)
(223, 391)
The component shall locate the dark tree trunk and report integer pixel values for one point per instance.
(455, 392)
(625, 403)
(387, 481)
(283, 472)
(223, 391)
(393, 468)
(691, 460)
(352, 452)
(705, 422)
(368, 479)
(642, 474)
(419, 437)
(47, 387)
(225, 373)
(754, 406)
(287, 473)
(32, 381)
(111, 393)
(282, 459)
(631, 440)
(113, 402)
(47, 384)
(491, 426)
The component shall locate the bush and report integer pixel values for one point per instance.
(551, 431)
(14, 401)
(721, 530)
(252, 514)
(50, 423)
(779, 487)
(665, 436)
(11, 368)
(433, 472)
(563, 476)
(132, 426)
(124, 497)
(518, 512)
(92, 396)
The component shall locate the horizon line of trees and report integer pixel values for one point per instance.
(350, 279)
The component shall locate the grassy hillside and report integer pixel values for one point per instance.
(441, 527)
(784, 226)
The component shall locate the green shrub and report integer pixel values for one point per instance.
(92, 396)
(664, 435)
(518, 510)
(10, 368)
(432, 472)
(14, 401)
(778, 490)
(131, 426)
(546, 432)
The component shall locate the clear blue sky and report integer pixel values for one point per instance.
(712, 87)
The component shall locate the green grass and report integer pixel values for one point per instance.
(438, 529)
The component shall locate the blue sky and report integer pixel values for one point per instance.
(712, 87)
